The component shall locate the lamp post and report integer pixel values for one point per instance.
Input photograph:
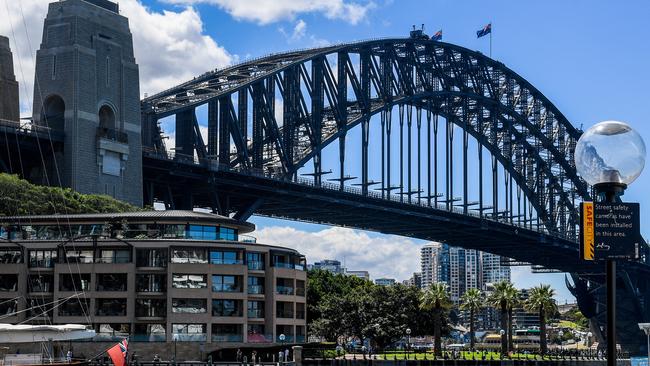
(560, 334)
(646, 328)
(504, 344)
(408, 342)
(610, 155)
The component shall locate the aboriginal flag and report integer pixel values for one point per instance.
(118, 353)
(485, 31)
(437, 36)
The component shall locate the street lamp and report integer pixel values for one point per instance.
(561, 334)
(646, 328)
(408, 342)
(504, 343)
(589, 335)
(610, 155)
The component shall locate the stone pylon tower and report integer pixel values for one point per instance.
(87, 87)
(8, 84)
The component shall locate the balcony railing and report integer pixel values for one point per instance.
(300, 291)
(256, 265)
(256, 313)
(300, 314)
(286, 314)
(259, 338)
(284, 290)
(227, 337)
(113, 135)
(226, 261)
(199, 337)
(148, 338)
(287, 339)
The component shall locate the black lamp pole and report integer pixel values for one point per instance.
(610, 193)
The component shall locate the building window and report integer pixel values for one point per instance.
(255, 261)
(110, 307)
(74, 307)
(227, 333)
(189, 255)
(287, 330)
(201, 232)
(40, 308)
(224, 257)
(112, 282)
(284, 309)
(8, 307)
(42, 258)
(223, 283)
(8, 282)
(114, 256)
(108, 71)
(53, 67)
(257, 334)
(300, 288)
(74, 282)
(226, 233)
(156, 258)
(151, 282)
(79, 256)
(40, 283)
(300, 310)
(255, 309)
(189, 306)
(112, 332)
(255, 285)
(8, 256)
(189, 280)
(151, 308)
(226, 307)
(300, 333)
(284, 286)
(189, 332)
(149, 333)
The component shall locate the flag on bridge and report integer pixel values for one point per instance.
(485, 31)
(118, 353)
(437, 36)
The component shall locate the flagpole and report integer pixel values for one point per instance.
(490, 39)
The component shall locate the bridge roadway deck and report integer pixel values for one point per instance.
(306, 202)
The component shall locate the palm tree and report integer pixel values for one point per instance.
(540, 299)
(514, 301)
(502, 298)
(472, 300)
(436, 298)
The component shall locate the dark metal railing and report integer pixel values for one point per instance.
(113, 135)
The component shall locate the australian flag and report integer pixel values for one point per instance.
(485, 31)
(437, 36)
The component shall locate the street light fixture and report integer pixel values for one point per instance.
(646, 328)
(589, 335)
(504, 343)
(610, 155)
(408, 342)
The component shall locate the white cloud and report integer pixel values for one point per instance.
(170, 46)
(299, 30)
(265, 11)
(381, 255)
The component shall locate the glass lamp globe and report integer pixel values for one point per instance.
(610, 152)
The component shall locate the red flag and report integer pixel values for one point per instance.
(118, 353)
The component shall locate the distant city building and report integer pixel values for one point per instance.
(429, 262)
(329, 265)
(415, 280)
(385, 281)
(361, 274)
(521, 318)
(493, 270)
(8, 84)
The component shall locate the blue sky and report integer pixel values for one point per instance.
(588, 57)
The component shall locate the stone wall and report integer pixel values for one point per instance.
(9, 108)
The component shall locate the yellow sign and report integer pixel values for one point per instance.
(588, 231)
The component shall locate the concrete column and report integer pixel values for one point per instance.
(297, 355)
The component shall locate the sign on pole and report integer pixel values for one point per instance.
(609, 230)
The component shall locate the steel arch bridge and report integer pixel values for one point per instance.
(274, 120)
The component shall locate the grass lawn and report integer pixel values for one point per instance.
(468, 355)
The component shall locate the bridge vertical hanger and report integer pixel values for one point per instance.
(224, 130)
(419, 162)
(365, 122)
(213, 129)
(185, 134)
(341, 125)
(401, 152)
(258, 126)
(409, 150)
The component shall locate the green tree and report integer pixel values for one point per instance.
(540, 300)
(472, 301)
(436, 298)
(502, 298)
(514, 301)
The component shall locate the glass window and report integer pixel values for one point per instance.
(114, 256)
(112, 332)
(8, 282)
(78, 256)
(8, 306)
(255, 309)
(154, 257)
(189, 280)
(300, 310)
(10, 256)
(40, 283)
(173, 231)
(287, 330)
(224, 257)
(42, 258)
(74, 282)
(255, 285)
(149, 333)
(74, 307)
(300, 288)
(255, 260)
(201, 232)
(284, 309)
(224, 283)
(112, 281)
(189, 255)
(189, 332)
(226, 233)
(227, 333)
(40, 307)
(284, 286)
(150, 308)
(256, 334)
(151, 282)
(189, 306)
(110, 307)
(209, 233)
(226, 307)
